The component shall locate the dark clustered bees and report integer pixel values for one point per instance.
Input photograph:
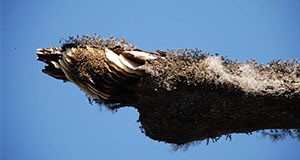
(181, 95)
(108, 69)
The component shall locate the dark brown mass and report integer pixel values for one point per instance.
(182, 97)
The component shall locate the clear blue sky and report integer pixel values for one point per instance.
(43, 118)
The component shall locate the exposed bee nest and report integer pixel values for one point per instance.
(105, 69)
(184, 95)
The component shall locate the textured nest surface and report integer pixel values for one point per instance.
(191, 68)
(185, 95)
(195, 97)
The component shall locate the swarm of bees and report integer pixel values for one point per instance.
(106, 69)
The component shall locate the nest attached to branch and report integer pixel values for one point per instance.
(184, 95)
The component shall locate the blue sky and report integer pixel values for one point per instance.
(43, 118)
